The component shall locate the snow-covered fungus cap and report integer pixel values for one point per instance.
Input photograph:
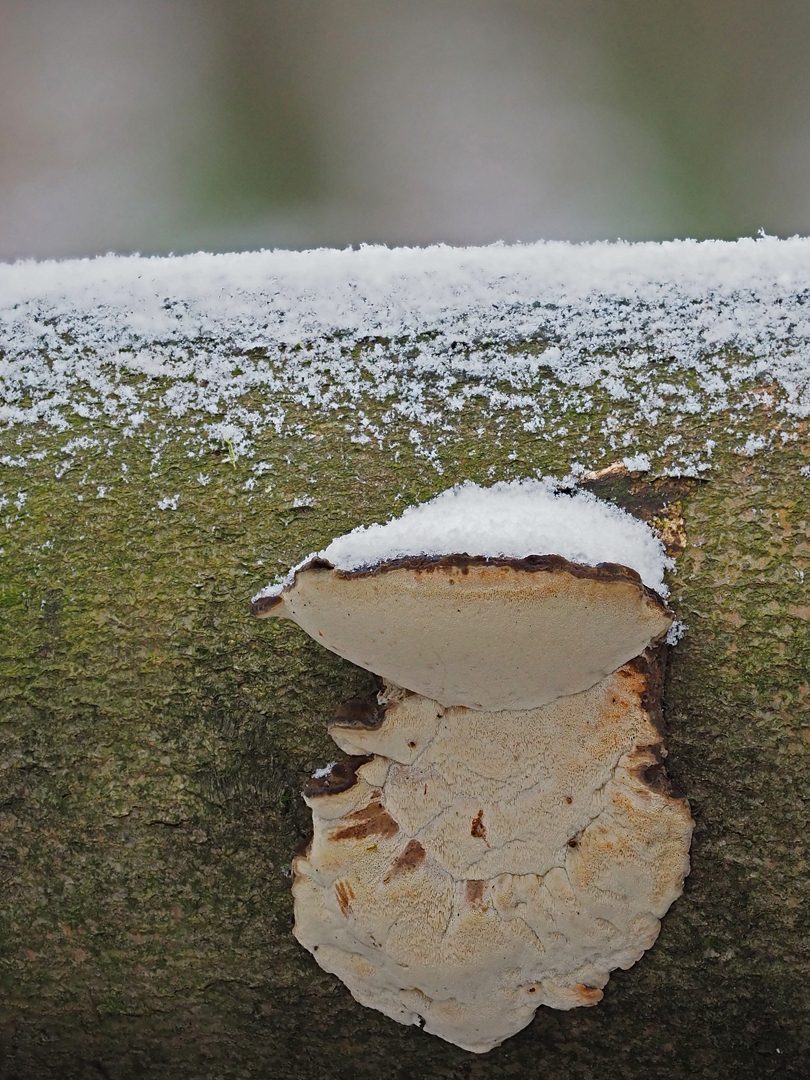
(498, 598)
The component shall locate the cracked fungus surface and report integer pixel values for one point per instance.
(467, 866)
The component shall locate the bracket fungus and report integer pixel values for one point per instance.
(503, 834)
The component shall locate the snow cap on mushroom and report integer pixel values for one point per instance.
(509, 520)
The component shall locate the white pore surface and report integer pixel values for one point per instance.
(508, 519)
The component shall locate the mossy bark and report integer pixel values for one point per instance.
(155, 740)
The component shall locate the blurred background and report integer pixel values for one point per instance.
(175, 125)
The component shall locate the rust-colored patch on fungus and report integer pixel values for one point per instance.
(474, 892)
(478, 828)
(412, 856)
(345, 895)
(372, 820)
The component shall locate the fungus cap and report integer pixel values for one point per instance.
(486, 633)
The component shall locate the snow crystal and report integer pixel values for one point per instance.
(753, 444)
(513, 520)
(677, 329)
(637, 463)
(320, 773)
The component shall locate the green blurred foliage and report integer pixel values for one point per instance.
(159, 126)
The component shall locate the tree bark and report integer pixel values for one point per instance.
(155, 740)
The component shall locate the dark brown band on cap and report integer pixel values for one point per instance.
(607, 572)
(341, 777)
(651, 665)
(263, 605)
(358, 713)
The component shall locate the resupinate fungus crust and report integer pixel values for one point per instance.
(503, 833)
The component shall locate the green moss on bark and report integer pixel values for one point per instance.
(155, 740)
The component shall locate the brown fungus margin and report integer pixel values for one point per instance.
(605, 572)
